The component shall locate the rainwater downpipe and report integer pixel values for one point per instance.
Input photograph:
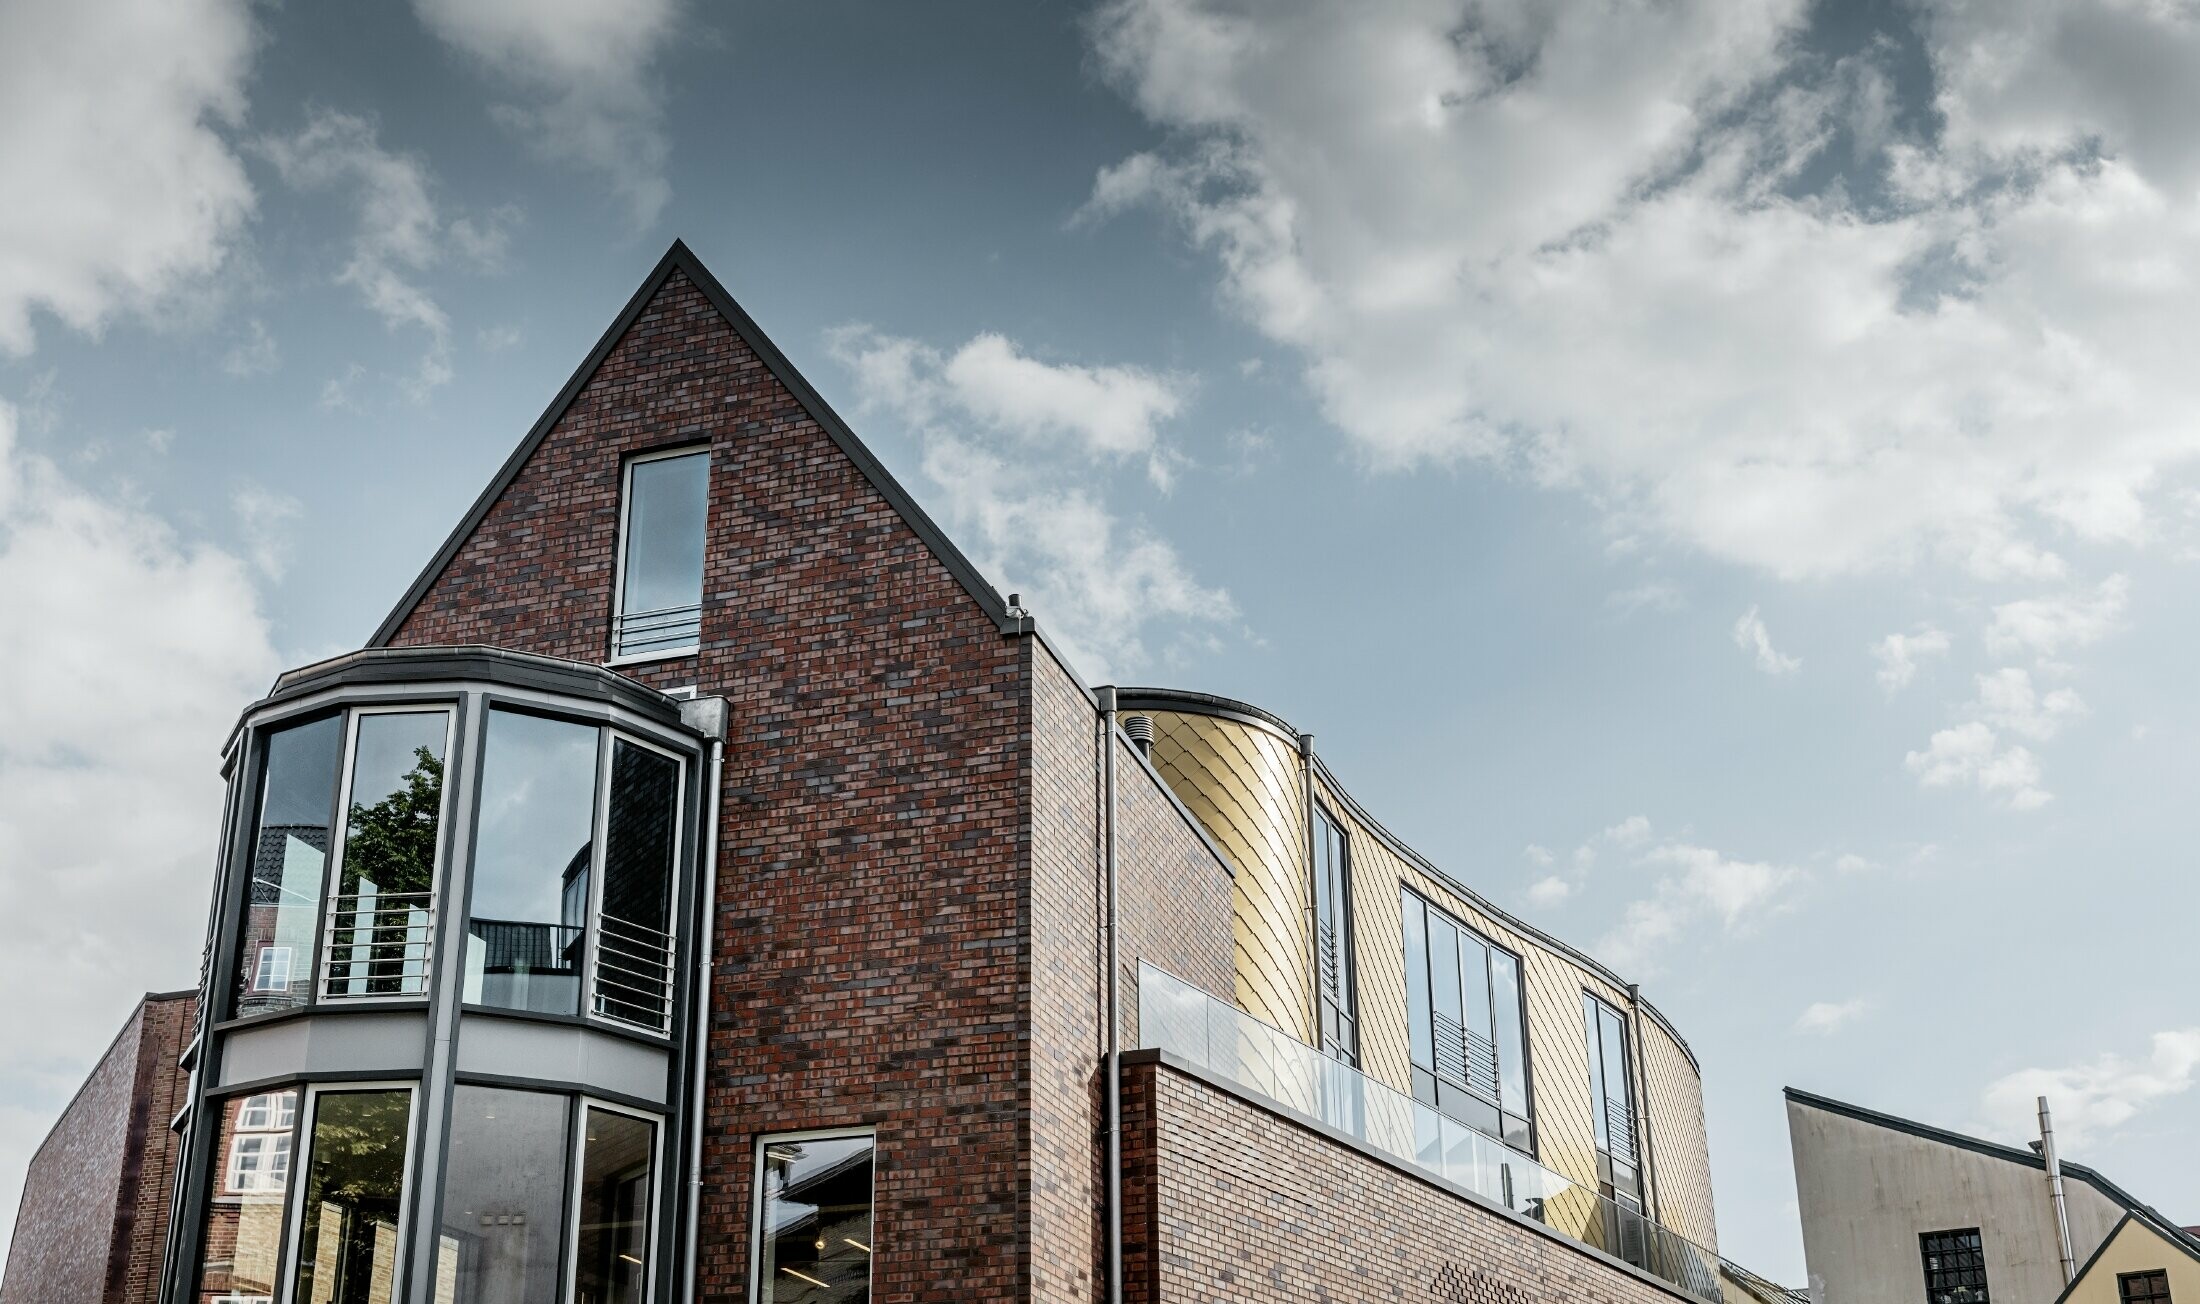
(1114, 1067)
(714, 802)
(2055, 1193)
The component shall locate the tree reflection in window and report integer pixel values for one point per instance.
(348, 1250)
(380, 918)
(814, 1226)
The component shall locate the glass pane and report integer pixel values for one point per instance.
(244, 1215)
(348, 1251)
(379, 918)
(634, 947)
(662, 577)
(1512, 1055)
(1474, 980)
(611, 1263)
(815, 1224)
(1589, 1008)
(1613, 1037)
(1417, 1009)
(531, 864)
(503, 1198)
(289, 856)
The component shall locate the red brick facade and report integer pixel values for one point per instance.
(1231, 1204)
(94, 1218)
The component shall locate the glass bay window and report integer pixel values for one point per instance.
(1466, 1024)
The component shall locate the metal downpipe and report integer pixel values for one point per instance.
(716, 806)
(1113, 1070)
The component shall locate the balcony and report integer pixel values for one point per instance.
(1218, 1039)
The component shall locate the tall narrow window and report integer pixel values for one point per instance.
(611, 1247)
(349, 1218)
(289, 860)
(634, 953)
(661, 555)
(380, 913)
(1465, 1024)
(813, 1220)
(244, 1216)
(504, 1184)
(1611, 1103)
(1955, 1267)
(533, 855)
(1333, 940)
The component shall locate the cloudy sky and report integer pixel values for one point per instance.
(1720, 475)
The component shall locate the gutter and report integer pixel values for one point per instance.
(1112, 1072)
(709, 714)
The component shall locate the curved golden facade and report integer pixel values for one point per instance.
(1243, 774)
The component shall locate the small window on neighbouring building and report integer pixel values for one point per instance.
(660, 598)
(1955, 1267)
(273, 971)
(2143, 1287)
(813, 1218)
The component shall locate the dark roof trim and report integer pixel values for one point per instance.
(2178, 1237)
(680, 258)
(1228, 708)
(2113, 1193)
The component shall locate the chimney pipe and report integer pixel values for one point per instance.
(2055, 1193)
(1139, 729)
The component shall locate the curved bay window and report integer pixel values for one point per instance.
(1467, 1024)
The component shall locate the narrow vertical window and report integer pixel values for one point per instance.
(660, 600)
(1955, 1267)
(1466, 1021)
(290, 850)
(504, 1185)
(532, 859)
(813, 1220)
(611, 1247)
(1333, 940)
(634, 945)
(349, 1219)
(380, 914)
(1611, 1103)
(244, 1218)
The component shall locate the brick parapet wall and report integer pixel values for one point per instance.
(1229, 1202)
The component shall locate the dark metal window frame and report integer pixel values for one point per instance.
(1967, 1247)
(614, 655)
(1347, 1002)
(1527, 1051)
(2147, 1279)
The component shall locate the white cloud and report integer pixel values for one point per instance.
(1898, 655)
(263, 519)
(496, 339)
(122, 192)
(125, 655)
(1537, 854)
(1751, 636)
(2049, 626)
(1971, 753)
(1010, 442)
(1656, 595)
(256, 354)
(1697, 886)
(2093, 1099)
(1824, 1018)
(585, 73)
(1549, 891)
(1631, 832)
(1675, 257)
(2007, 699)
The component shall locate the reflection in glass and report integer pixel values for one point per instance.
(244, 1214)
(661, 572)
(611, 1255)
(348, 1251)
(525, 936)
(503, 1198)
(289, 855)
(634, 946)
(1467, 1027)
(379, 917)
(815, 1223)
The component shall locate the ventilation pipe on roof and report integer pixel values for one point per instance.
(1139, 729)
(1113, 1070)
(2055, 1193)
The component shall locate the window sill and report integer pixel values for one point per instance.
(646, 658)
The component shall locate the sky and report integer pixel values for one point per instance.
(1720, 476)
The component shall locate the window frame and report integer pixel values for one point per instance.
(762, 1140)
(2148, 1276)
(266, 1149)
(1925, 1272)
(576, 1166)
(294, 1199)
(340, 837)
(1527, 1049)
(1348, 1009)
(1633, 1157)
(612, 655)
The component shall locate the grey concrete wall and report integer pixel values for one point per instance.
(1867, 1191)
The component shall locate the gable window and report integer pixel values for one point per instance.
(1611, 1103)
(1333, 940)
(1955, 1267)
(660, 587)
(2143, 1287)
(1465, 1018)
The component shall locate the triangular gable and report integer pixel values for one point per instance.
(680, 259)
(2111, 1255)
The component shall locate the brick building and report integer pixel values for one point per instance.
(94, 1218)
(706, 886)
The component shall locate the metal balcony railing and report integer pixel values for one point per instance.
(1220, 1039)
(634, 969)
(667, 629)
(378, 944)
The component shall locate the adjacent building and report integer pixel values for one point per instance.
(705, 886)
(1898, 1212)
